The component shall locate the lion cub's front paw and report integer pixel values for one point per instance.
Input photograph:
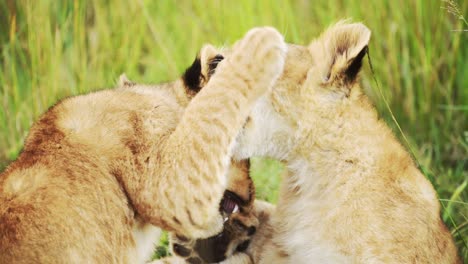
(261, 55)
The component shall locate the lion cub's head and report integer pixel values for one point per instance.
(318, 82)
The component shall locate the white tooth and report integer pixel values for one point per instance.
(226, 218)
(236, 209)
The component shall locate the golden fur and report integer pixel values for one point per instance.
(352, 193)
(99, 172)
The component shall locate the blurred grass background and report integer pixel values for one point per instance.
(52, 49)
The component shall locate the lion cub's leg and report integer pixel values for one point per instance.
(195, 157)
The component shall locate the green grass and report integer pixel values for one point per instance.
(51, 49)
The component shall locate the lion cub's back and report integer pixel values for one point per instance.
(60, 189)
(45, 213)
(103, 118)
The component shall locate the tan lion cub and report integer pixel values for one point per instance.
(99, 171)
(352, 194)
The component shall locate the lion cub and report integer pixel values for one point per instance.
(352, 194)
(99, 171)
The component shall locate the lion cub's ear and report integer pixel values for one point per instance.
(210, 57)
(124, 81)
(342, 49)
(204, 65)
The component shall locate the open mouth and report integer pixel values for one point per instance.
(213, 249)
(230, 203)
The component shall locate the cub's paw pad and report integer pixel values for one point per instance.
(262, 51)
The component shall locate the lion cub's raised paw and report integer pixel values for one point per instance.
(262, 53)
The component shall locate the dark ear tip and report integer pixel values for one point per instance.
(192, 75)
(362, 53)
(356, 64)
